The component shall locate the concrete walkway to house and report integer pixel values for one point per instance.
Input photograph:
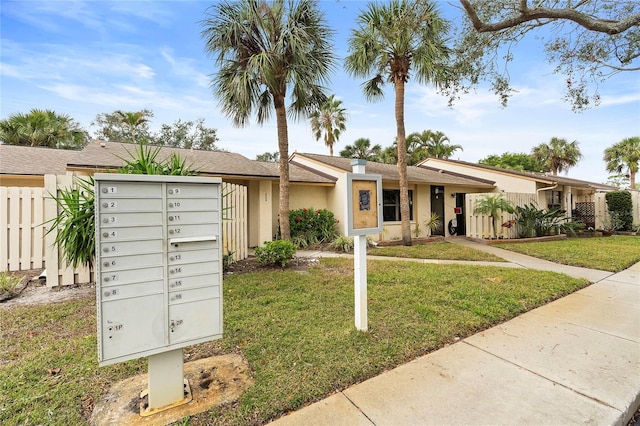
(573, 361)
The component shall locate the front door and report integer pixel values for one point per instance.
(460, 224)
(437, 207)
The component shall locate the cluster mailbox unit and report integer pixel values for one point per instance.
(159, 273)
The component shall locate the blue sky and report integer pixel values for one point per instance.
(83, 58)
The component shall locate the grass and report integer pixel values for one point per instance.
(612, 254)
(436, 250)
(296, 330)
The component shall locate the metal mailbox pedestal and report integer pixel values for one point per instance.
(158, 273)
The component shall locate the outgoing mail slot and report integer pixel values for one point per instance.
(186, 283)
(119, 220)
(195, 320)
(131, 290)
(192, 256)
(192, 204)
(184, 296)
(178, 245)
(130, 205)
(127, 248)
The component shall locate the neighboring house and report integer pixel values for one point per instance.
(576, 197)
(27, 165)
(430, 191)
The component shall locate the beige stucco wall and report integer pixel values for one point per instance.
(504, 182)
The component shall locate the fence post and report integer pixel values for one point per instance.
(51, 212)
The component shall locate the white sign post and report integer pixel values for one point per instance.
(364, 217)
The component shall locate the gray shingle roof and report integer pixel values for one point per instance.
(34, 161)
(542, 177)
(38, 161)
(414, 174)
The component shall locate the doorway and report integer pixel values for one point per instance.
(437, 207)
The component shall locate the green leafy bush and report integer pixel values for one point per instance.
(8, 285)
(534, 222)
(275, 252)
(620, 207)
(311, 226)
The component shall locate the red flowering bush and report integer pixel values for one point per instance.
(312, 226)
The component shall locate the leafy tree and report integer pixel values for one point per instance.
(123, 126)
(389, 155)
(587, 41)
(42, 128)
(558, 155)
(187, 134)
(393, 42)
(492, 205)
(431, 143)
(269, 157)
(624, 155)
(328, 122)
(514, 161)
(362, 149)
(266, 52)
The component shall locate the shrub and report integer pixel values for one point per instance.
(620, 207)
(534, 222)
(274, 252)
(342, 243)
(8, 285)
(311, 226)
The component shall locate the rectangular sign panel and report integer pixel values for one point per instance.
(364, 204)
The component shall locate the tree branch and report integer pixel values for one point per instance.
(526, 15)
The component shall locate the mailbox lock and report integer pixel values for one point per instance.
(105, 235)
(106, 249)
(107, 294)
(172, 258)
(105, 190)
(171, 191)
(105, 220)
(105, 205)
(106, 279)
(105, 264)
(171, 231)
(170, 218)
(170, 204)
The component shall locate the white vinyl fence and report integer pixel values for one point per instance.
(602, 211)
(25, 219)
(481, 226)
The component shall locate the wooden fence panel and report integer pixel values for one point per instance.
(234, 221)
(21, 228)
(481, 226)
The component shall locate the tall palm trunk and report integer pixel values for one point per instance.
(632, 178)
(283, 148)
(402, 163)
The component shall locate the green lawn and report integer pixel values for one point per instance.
(613, 254)
(296, 330)
(436, 250)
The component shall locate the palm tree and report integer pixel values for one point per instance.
(624, 155)
(437, 144)
(390, 40)
(363, 150)
(329, 121)
(42, 128)
(492, 205)
(133, 120)
(558, 155)
(268, 53)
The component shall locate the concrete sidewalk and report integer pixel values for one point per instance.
(573, 361)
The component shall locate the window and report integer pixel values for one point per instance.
(391, 205)
(555, 200)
